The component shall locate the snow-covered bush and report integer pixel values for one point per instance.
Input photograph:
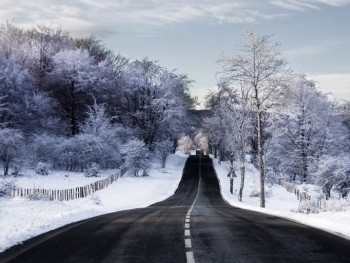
(36, 196)
(309, 206)
(45, 148)
(136, 157)
(254, 193)
(163, 149)
(79, 152)
(42, 169)
(336, 205)
(5, 188)
(92, 170)
(318, 205)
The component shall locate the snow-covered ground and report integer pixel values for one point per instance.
(279, 202)
(21, 219)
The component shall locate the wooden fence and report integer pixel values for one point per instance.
(292, 188)
(66, 194)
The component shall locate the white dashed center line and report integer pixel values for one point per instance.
(188, 242)
(189, 257)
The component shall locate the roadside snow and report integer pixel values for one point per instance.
(21, 219)
(279, 202)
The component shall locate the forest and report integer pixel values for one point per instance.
(278, 118)
(71, 103)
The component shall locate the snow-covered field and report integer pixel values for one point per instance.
(279, 202)
(21, 219)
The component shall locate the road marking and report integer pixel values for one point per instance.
(188, 243)
(189, 257)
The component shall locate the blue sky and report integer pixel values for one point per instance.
(190, 35)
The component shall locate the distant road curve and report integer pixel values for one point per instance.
(194, 225)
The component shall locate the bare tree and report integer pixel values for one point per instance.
(260, 67)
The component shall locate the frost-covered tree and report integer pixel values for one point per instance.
(136, 157)
(185, 144)
(344, 112)
(154, 101)
(305, 129)
(162, 150)
(22, 106)
(13, 42)
(43, 42)
(99, 125)
(333, 173)
(201, 141)
(241, 128)
(97, 121)
(230, 125)
(95, 47)
(73, 77)
(258, 65)
(33, 48)
(11, 146)
(217, 125)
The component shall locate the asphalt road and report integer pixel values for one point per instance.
(193, 225)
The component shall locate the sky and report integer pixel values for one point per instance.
(189, 36)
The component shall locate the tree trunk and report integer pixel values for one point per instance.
(242, 168)
(327, 190)
(261, 160)
(163, 161)
(303, 155)
(215, 151)
(220, 156)
(73, 117)
(303, 145)
(6, 168)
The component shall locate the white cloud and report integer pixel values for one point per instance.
(147, 15)
(303, 5)
(294, 5)
(132, 15)
(335, 2)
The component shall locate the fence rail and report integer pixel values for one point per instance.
(292, 188)
(66, 194)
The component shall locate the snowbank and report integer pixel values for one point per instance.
(279, 202)
(21, 219)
